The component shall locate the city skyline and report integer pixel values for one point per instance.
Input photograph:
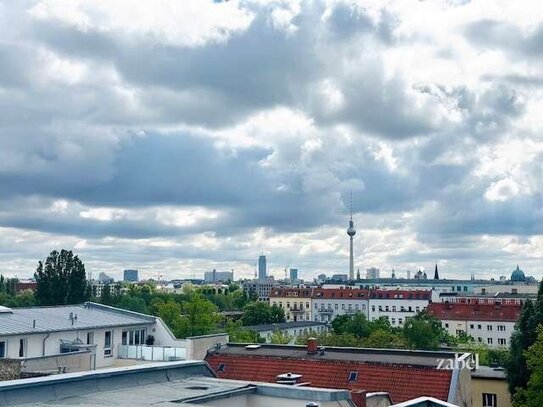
(180, 137)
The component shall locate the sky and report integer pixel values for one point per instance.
(180, 136)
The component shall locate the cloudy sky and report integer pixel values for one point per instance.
(177, 136)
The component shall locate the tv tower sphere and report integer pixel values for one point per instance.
(351, 231)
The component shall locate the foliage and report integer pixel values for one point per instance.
(381, 338)
(256, 313)
(523, 337)
(238, 334)
(281, 338)
(196, 316)
(424, 331)
(61, 280)
(532, 395)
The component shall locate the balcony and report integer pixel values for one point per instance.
(151, 353)
(297, 310)
(325, 311)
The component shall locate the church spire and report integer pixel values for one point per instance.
(436, 274)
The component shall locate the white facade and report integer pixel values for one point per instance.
(397, 306)
(495, 334)
(330, 303)
(48, 331)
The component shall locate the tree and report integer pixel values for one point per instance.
(383, 339)
(280, 337)
(256, 313)
(61, 280)
(130, 303)
(200, 316)
(420, 333)
(532, 395)
(523, 337)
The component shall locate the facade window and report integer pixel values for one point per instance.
(479, 326)
(386, 308)
(459, 331)
(380, 308)
(501, 328)
(342, 306)
(471, 326)
(393, 321)
(479, 339)
(400, 321)
(489, 340)
(502, 341)
(307, 305)
(22, 347)
(465, 288)
(446, 325)
(353, 376)
(108, 343)
(373, 308)
(356, 306)
(410, 309)
(350, 307)
(336, 306)
(3, 349)
(417, 308)
(490, 400)
(90, 338)
(489, 327)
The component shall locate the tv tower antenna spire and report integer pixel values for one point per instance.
(351, 231)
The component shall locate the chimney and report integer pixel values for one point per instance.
(288, 378)
(312, 346)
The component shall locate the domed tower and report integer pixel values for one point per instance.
(518, 275)
(351, 231)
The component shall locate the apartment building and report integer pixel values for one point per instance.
(397, 305)
(296, 302)
(331, 302)
(491, 324)
(98, 333)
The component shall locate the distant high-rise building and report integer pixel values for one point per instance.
(218, 276)
(104, 278)
(321, 277)
(294, 274)
(372, 273)
(130, 275)
(262, 267)
(408, 274)
(393, 274)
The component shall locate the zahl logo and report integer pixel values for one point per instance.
(460, 361)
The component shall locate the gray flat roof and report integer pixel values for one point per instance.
(487, 372)
(57, 319)
(164, 384)
(285, 325)
(386, 356)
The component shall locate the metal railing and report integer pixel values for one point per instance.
(154, 353)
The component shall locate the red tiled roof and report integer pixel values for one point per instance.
(340, 293)
(291, 292)
(474, 312)
(401, 294)
(402, 382)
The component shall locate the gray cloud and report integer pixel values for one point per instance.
(104, 118)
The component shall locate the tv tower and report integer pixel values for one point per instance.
(351, 232)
